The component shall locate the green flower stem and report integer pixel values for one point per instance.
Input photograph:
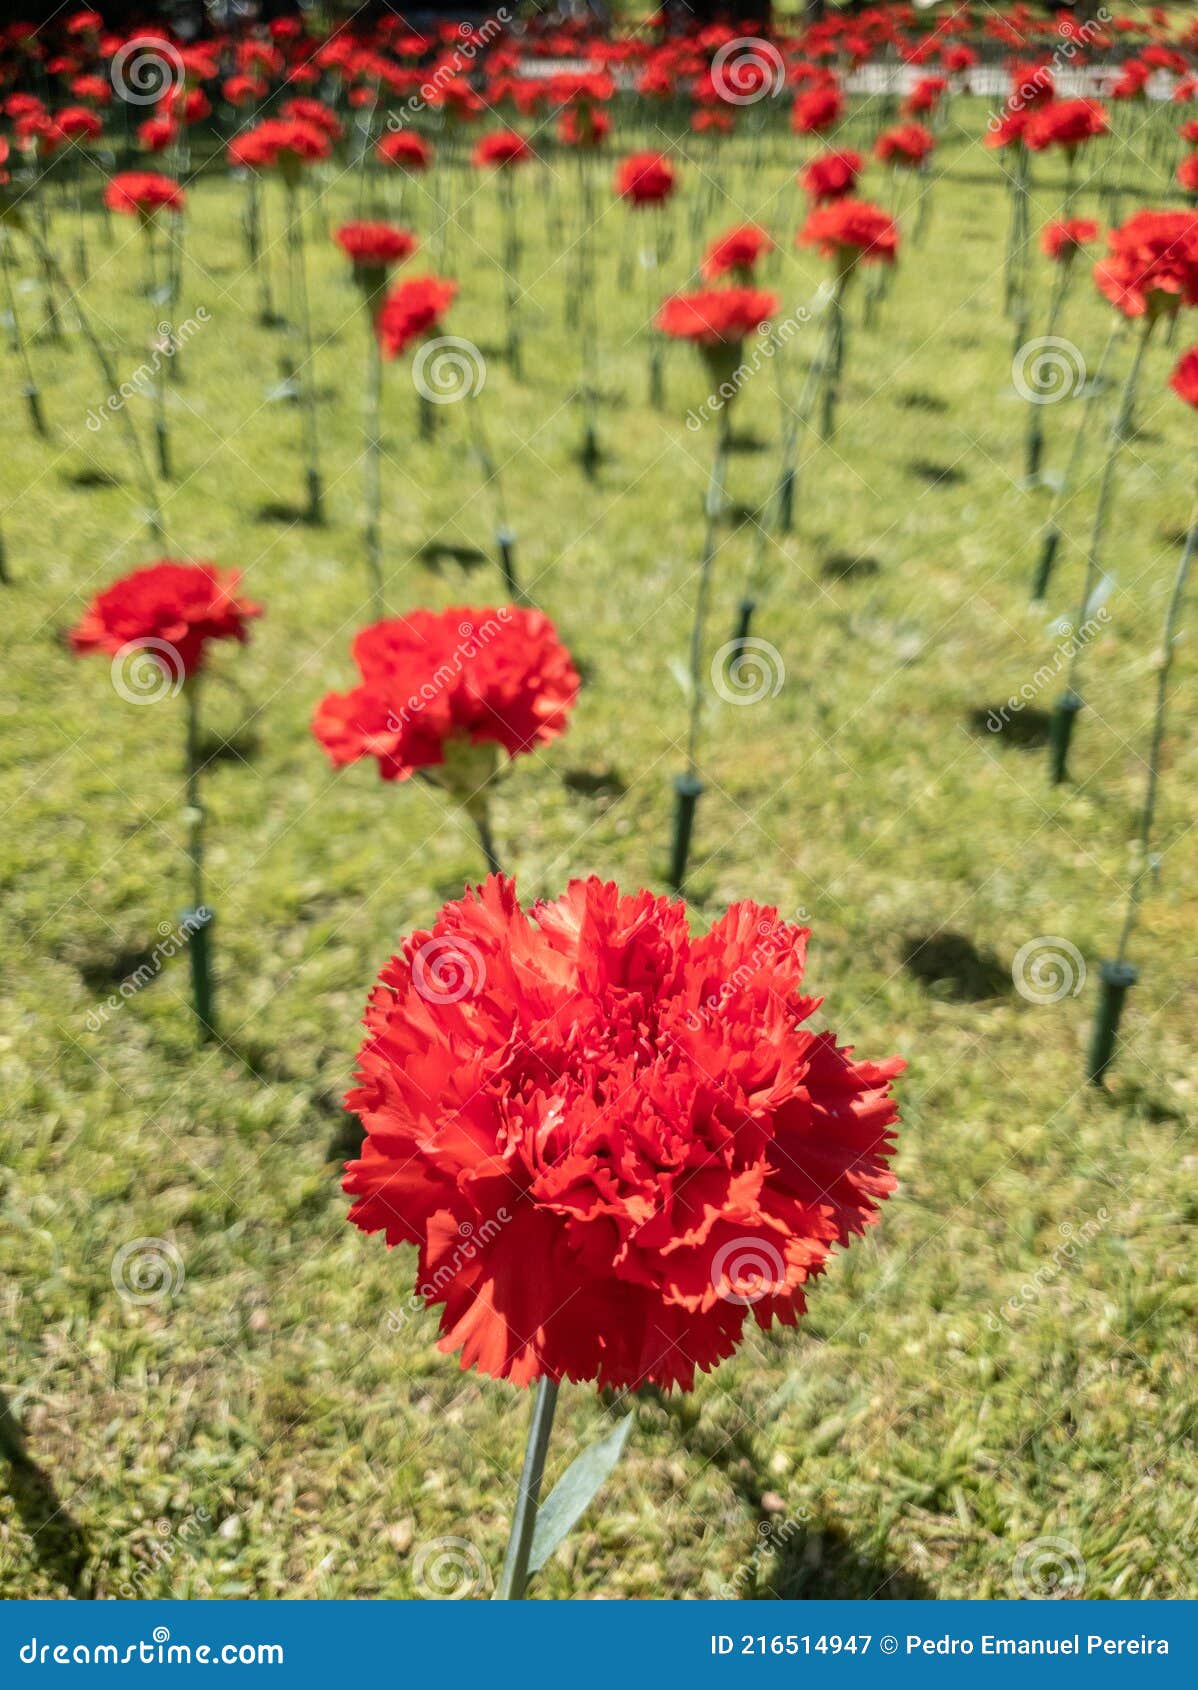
(715, 506)
(372, 458)
(1152, 785)
(161, 427)
(1050, 535)
(1118, 435)
(307, 379)
(150, 492)
(832, 357)
(1034, 447)
(513, 1580)
(33, 396)
(199, 940)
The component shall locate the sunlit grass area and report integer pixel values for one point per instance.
(1008, 1358)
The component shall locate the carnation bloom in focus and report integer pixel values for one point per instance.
(1153, 264)
(645, 179)
(168, 604)
(739, 251)
(851, 230)
(1062, 240)
(433, 683)
(634, 1129)
(831, 176)
(412, 311)
(1184, 380)
(140, 193)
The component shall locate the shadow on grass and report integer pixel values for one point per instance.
(949, 965)
(1026, 730)
(438, 553)
(848, 566)
(58, 1541)
(820, 1563)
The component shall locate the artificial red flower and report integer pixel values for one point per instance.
(645, 179)
(500, 151)
(434, 684)
(413, 310)
(142, 193)
(817, 110)
(739, 251)
(169, 609)
(1184, 380)
(156, 133)
(830, 176)
(404, 148)
(924, 96)
(632, 1129)
(243, 90)
(1007, 131)
(1066, 124)
(1062, 240)
(316, 114)
(374, 246)
(1189, 131)
(907, 144)
(1153, 264)
(851, 231)
(583, 126)
(708, 121)
(716, 316)
(286, 142)
(79, 123)
(1187, 173)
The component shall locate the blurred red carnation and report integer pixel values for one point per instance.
(167, 604)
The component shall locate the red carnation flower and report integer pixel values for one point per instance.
(583, 126)
(435, 684)
(374, 246)
(1065, 123)
(709, 121)
(156, 133)
(406, 150)
(831, 176)
(287, 143)
(1153, 266)
(1189, 131)
(316, 114)
(633, 1127)
(500, 151)
(907, 144)
(243, 90)
(169, 609)
(645, 179)
(924, 96)
(1184, 380)
(739, 251)
(817, 110)
(716, 316)
(1008, 130)
(78, 123)
(1187, 173)
(142, 193)
(413, 310)
(851, 231)
(1062, 240)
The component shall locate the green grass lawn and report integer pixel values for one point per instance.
(1009, 1358)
